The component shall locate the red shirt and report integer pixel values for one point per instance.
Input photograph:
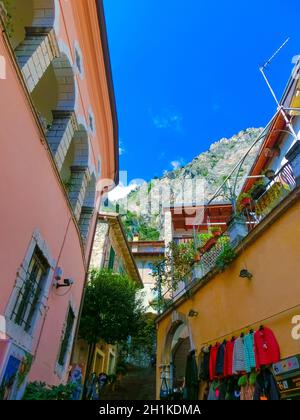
(228, 358)
(213, 361)
(266, 347)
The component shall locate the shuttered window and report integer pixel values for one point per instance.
(67, 338)
(28, 300)
(111, 261)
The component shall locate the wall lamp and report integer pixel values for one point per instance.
(245, 274)
(193, 314)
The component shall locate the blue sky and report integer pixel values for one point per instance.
(186, 73)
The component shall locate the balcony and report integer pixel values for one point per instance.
(280, 186)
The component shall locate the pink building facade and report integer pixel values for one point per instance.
(58, 140)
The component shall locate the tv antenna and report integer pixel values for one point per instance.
(279, 106)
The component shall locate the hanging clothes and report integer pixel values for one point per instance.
(220, 360)
(228, 358)
(222, 391)
(247, 388)
(213, 394)
(204, 364)
(266, 387)
(239, 356)
(232, 389)
(250, 356)
(191, 378)
(266, 347)
(213, 361)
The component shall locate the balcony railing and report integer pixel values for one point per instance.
(276, 190)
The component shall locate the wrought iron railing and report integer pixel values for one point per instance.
(279, 187)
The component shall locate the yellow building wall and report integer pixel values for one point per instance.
(227, 303)
(102, 349)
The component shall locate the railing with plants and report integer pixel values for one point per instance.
(189, 261)
(264, 196)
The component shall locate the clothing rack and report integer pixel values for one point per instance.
(237, 333)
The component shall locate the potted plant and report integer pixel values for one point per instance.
(216, 231)
(244, 202)
(237, 229)
(293, 156)
(258, 189)
(208, 246)
(225, 258)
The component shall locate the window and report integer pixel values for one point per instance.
(111, 261)
(79, 60)
(67, 337)
(29, 296)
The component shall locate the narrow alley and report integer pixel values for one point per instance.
(137, 384)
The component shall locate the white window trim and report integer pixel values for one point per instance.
(20, 337)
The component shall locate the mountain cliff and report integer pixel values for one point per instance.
(195, 182)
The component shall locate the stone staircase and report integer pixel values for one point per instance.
(137, 384)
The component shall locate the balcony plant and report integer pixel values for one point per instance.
(216, 231)
(244, 201)
(6, 13)
(271, 198)
(258, 189)
(208, 245)
(227, 256)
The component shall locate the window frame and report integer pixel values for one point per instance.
(28, 301)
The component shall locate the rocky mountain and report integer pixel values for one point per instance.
(195, 182)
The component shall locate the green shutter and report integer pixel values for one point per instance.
(112, 256)
(67, 337)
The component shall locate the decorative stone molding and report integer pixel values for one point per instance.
(61, 134)
(85, 221)
(35, 54)
(79, 181)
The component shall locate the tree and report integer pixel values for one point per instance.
(111, 310)
(142, 345)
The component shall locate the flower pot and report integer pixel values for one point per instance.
(246, 202)
(293, 156)
(197, 272)
(208, 246)
(237, 230)
(197, 257)
(217, 233)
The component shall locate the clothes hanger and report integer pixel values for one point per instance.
(242, 335)
(233, 339)
(261, 328)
